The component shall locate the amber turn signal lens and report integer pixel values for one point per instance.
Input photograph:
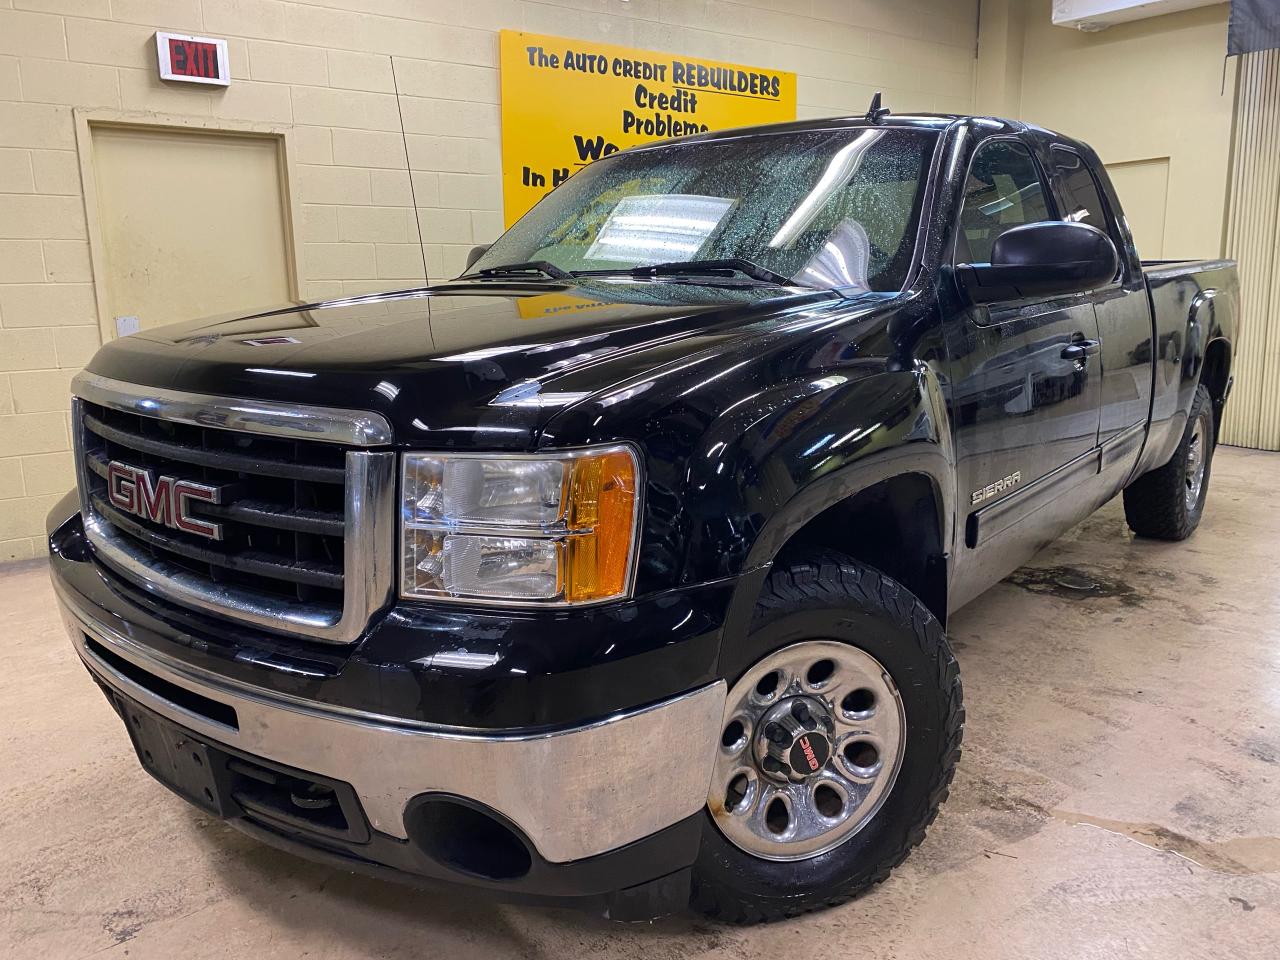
(602, 501)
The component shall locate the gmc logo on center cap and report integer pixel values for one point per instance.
(165, 500)
(807, 747)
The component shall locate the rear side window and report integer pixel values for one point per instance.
(1080, 190)
(1003, 191)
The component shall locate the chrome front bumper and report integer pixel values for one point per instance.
(575, 793)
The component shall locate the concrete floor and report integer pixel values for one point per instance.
(1117, 796)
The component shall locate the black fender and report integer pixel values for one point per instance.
(897, 425)
(1194, 307)
(751, 437)
(1210, 320)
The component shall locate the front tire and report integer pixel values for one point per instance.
(1167, 503)
(841, 734)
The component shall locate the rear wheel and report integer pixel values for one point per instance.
(840, 735)
(1167, 504)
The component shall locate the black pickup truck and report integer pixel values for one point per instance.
(616, 571)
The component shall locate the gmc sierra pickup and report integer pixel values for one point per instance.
(616, 570)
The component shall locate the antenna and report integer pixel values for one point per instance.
(876, 112)
(413, 197)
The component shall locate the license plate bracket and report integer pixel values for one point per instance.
(189, 767)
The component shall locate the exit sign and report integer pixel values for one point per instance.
(193, 59)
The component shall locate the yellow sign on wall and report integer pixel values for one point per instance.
(568, 102)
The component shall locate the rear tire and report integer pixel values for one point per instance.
(877, 653)
(1167, 503)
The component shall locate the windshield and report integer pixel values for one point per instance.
(825, 208)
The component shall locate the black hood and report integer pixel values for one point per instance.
(461, 365)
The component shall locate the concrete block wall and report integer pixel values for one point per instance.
(323, 68)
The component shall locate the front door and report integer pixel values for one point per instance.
(1024, 381)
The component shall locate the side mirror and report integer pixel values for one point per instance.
(475, 254)
(1041, 260)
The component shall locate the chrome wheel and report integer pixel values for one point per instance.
(1197, 460)
(810, 746)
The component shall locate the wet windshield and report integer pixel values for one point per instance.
(825, 208)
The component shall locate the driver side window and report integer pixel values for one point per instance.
(1002, 191)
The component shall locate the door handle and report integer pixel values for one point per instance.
(1081, 350)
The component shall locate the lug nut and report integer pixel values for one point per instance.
(802, 714)
(777, 734)
(774, 765)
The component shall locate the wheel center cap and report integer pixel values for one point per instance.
(809, 753)
(792, 740)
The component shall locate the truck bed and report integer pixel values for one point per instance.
(1193, 303)
(1160, 269)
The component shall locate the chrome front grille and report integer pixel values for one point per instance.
(304, 513)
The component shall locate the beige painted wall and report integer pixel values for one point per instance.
(998, 72)
(1149, 96)
(320, 69)
(1157, 101)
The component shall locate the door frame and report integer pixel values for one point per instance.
(89, 119)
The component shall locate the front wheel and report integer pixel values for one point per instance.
(840, 736)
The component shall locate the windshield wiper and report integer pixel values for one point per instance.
(543, 267)
(696, 268)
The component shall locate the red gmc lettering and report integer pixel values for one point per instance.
(121, 490)
(153, 498)
(165, 500)
(808, 753)
(183, 493)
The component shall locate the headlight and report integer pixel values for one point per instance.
(554, 528)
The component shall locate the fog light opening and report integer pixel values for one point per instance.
(468, 840)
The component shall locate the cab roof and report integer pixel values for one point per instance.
(902, 121)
